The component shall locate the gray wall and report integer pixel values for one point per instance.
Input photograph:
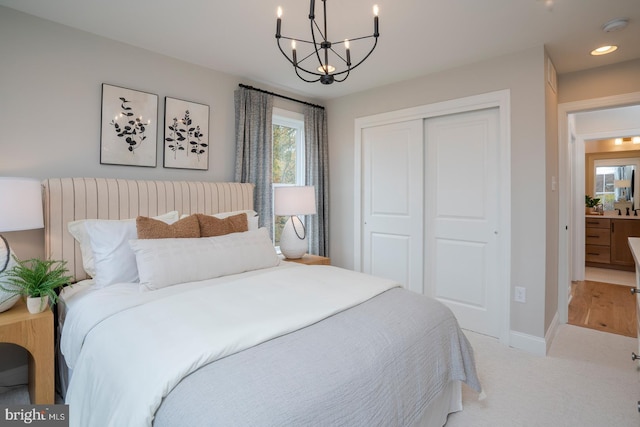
(552, 203)
(51, 97)
(600, 82)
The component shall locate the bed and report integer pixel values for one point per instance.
(217, 330)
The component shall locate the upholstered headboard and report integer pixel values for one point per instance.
(70, 199)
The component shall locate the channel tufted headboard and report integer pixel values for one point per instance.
(70, 199)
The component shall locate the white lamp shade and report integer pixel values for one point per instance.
(294, 200)
(20, 204)
(622, 183)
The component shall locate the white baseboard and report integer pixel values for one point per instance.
(529, 343)
(551, 332)
(533, 344)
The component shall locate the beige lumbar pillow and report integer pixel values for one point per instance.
(149, 228)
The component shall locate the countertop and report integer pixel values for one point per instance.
(614, 215)
(634, 245)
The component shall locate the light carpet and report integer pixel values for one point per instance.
(588, 379)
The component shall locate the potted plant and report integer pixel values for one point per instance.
(590, 203)
(37, 280)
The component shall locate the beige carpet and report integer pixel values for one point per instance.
(588, 379)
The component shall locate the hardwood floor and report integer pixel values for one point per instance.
(604, 307)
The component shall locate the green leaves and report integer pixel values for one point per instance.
(590, 202)
(36, 278)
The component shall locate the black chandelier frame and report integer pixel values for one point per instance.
(321, 47)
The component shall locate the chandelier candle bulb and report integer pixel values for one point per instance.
(279, 22)
(375, 21)
(346, 46)
(293, 50)
(319, 61)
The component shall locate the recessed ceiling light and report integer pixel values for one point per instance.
(618, 141)
(603, 50)
(615, 25)
(636, 139)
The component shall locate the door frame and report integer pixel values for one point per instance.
(498, 99)
(571, 214)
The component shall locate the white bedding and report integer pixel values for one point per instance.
(118, 337)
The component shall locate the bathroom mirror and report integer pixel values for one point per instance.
(615, 183)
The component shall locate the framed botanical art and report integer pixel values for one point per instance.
(186, 134)
(129, 131)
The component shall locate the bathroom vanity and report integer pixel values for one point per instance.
(607, 241)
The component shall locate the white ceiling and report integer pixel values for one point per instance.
(417, 37)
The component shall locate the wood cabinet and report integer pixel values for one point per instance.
(621, 230)
(607, 244)
(598, 240)
(33, 332)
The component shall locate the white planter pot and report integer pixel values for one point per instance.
(37, 304)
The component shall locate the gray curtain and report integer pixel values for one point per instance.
(254, 111)
(317, 174)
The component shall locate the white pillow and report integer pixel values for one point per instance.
(252, 217)
(113, 258)
(166, 262)
(79, 232)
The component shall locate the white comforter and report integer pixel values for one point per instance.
(131, 355)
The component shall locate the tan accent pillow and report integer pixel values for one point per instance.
(149, 228)
(211, 226)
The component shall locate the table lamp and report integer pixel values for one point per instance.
(292, 201)
(20, 209)
(623, 184)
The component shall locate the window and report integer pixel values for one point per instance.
(615, 181)
(288, 156)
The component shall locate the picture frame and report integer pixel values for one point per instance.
(186, 134)
(129, 130)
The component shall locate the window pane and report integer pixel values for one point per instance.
(608, 183)
(284, 166)
(284, 155)
(599, 183)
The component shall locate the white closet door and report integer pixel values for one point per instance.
(461, 218)
(392, 202)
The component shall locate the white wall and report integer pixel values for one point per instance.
(523, 74)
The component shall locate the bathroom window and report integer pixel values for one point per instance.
(615, 182)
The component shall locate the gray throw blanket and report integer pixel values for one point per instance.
(378, 364)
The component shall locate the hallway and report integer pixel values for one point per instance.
(604, 302)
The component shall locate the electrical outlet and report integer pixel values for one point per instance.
(520, 294)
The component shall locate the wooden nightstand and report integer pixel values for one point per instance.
(309, 259)
(34, 332)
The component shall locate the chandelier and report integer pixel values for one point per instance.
(322, 50)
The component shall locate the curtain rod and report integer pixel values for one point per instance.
(280, 96)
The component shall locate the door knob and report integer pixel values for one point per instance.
(634, 356)
(635, 291)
